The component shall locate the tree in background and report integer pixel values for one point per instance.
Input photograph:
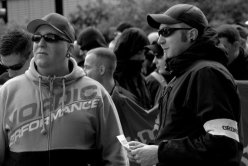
(106, 15)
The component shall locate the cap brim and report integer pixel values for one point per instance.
(35, 24)
(155, 20)
(150, 47)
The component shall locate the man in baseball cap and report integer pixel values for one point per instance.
(199, 120)
(180, 13)
(57, 22)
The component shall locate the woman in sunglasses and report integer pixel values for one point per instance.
(53, 114)
(15, 52)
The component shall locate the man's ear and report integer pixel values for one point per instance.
(236, 44)
(193, 34)
(102, 69)
(71, 48)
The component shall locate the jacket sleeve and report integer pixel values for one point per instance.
(2, 137)
(214, 100)
(110, 127)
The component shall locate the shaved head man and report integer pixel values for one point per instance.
(100, 64)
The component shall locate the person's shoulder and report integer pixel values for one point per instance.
(211, 69)
(124, 93)
(90, 83)
(13, 83)
(206, 64)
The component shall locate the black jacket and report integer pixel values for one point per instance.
(4, 77)
(239, 67)
(202, 92)
(128, 75)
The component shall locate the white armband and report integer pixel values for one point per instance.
(225, 127)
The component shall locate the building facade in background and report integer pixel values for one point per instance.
(22, 11)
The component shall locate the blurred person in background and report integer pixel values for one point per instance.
(121, 27)
(88, 39)
(237, 58)
(129, 51)
(158, 78)
(148, 65)
(137, 123)
(16, 51)
(243, 32)
(100, 64)
(2, 68)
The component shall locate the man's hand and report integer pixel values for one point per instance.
(132, 146)
(146, 155)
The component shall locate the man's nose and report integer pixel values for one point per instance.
(161, 40)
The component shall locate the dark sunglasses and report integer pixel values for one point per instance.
(14, 67)
(51, 38)
(167, 31)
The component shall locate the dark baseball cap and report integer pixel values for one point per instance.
(57, 22)
(180, 13)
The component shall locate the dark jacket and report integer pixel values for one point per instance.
(202, 92)
(128, 75)
(4, 77)
(137, 122)
(2, 69)
(239, 67)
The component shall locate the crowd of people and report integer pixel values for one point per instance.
(64, 99)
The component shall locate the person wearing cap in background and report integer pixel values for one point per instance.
(54, 114)
(159, 77)
(148, 65)
(243, 32)
(153, 37)
(237, 57)
(200, 107)
(16, 51)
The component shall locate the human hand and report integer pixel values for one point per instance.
(132, 146)
(135, 144)
(145, 155)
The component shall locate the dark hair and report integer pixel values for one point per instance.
(90, 38)
(228, 31)
(123, 26)
(105, 54)
(130, 43)
(16, 40)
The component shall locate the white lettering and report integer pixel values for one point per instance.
(34, 125)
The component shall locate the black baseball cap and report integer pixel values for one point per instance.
(180, 13)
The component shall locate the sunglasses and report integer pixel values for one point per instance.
(50, 38)
(14, 67)
(167, 31)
